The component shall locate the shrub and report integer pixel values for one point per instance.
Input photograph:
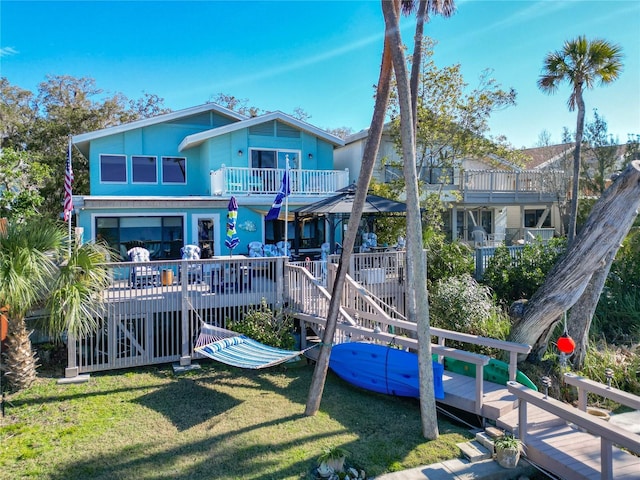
(617, 315)
(512, 279)
(624, 363)
(262, 324)
(463, 305)
(447, 259)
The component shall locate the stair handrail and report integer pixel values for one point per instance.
(609, 434)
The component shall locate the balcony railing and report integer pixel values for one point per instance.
(539, 181)
(239, 180)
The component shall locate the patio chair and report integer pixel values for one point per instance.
(194, 270)
(145, 275)
(270, 250)
(284, 250)
(256, 249)
(479, 237)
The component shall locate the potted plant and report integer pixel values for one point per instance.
(332, 460)
(508, 450)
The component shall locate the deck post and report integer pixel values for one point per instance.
(185, 357)
(72, 365)
(606, 459)
(522, 420)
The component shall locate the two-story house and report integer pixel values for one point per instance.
(166, 181)
(490, 200)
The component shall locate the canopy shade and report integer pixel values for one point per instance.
(343, 203)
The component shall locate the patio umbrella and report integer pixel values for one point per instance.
(231, 241)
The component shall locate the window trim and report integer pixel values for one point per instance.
(126, 169)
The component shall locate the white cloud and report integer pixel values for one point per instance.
(7, 51)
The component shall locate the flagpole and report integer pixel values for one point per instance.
(286, 204)
(71, 212)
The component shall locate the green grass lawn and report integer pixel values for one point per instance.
(214, 423)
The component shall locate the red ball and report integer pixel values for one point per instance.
(566, 344)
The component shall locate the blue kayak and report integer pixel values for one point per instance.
(382, 369)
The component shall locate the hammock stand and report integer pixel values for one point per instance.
(239, 350)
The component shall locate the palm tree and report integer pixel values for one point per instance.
(37, 270)
(581, 63)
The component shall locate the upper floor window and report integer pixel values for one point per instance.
(275, 158)
(144, 169)
(174, 170)
(113, 168)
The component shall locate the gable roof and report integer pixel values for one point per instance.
(342, 202)
(82, 140)
(196, 139)
(541, 157)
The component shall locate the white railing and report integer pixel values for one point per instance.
(539, 181)
(243, 180)
(609, 435)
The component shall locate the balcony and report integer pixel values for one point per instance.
(501, 186)
(250, 181)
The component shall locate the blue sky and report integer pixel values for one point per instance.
(321, 56)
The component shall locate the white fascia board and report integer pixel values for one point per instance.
(196, 139)
(167, 117)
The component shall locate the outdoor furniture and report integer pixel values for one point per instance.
(284, 250)
(479, 237)
(256, 249)
(144, 275)
(194, 270)
(231, 276)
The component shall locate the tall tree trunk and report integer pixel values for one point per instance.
(573, 220)
(581, 314)
(362, 186)
(609, 222)
(417, 305)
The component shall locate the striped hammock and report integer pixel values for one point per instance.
(238, 350)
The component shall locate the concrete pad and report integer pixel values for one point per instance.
(77, 379)
(177, 368)
(629, 421)
(459, 469)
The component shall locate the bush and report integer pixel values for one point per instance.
(513, 279)
(263, 325)
(617, 316)
(463, 305)
(447, 259)
(624, 363)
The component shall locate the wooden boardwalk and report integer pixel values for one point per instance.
(559, 438)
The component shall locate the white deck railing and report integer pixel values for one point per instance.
(540, 181)
(152, 310)
(243, 180)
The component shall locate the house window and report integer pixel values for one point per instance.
(267, 160)
(162, 236)
(113, 168)
(532, 217)
(312, 233)
(143, 169)
(174, 170)
(274, 231)
(275, 158)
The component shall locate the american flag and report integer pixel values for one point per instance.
(68, 181)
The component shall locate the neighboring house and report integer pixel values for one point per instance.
(166, 181)
(500, 200)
